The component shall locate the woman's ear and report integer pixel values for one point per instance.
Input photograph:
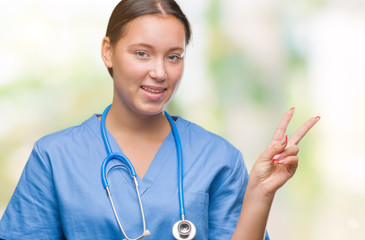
(107, 52)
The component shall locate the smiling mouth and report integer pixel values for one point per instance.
(152, 90)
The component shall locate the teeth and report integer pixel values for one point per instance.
(153, 90)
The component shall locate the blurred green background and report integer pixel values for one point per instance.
(249, 62)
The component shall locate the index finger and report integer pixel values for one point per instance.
(283, 125)
(295, 139)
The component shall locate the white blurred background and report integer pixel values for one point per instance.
(248, 62)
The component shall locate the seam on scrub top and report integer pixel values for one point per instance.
(102, 150)
(101, 143)
(10, 235)
(93, 133)
(237, 163)
(164, 164)
(36, 148)
(185, 124)
(235, 172)
(160, 169)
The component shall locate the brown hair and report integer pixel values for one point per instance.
(127, 10)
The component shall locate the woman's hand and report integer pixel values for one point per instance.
(279, 161)
(272, 169)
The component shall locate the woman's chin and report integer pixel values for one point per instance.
(151, 110)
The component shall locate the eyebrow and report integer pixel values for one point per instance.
(151, 47)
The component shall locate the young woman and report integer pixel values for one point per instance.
(66, 186)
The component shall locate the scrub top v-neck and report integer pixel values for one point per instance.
(60, 194)
(162, 155)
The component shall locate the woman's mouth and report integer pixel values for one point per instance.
(153, 93)
(153, 89)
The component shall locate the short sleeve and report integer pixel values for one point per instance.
(32, 212)
(226, 201)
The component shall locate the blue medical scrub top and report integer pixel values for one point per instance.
(60, 193)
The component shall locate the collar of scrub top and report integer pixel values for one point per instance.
(182, 229)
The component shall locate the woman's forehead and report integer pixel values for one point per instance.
(155, 29)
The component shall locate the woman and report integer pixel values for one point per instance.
(60, 194)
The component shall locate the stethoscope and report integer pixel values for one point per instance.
(182, 229)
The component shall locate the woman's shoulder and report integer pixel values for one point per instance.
(198, 135)
(72, 136)
(209, 151)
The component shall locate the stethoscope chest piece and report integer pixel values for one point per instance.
(184, 230)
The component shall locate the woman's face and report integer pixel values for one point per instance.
(147, 62)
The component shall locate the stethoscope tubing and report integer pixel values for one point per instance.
(180, 164)
(130, 166)
(126, 163)
(103, 130)
(177, 232)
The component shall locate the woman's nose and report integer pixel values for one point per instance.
(158, 71)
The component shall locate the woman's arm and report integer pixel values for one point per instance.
(273, 169)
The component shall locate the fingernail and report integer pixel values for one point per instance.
(318, 117)
(281, 161)
(276, 157)
(292, 109)
(283, 141)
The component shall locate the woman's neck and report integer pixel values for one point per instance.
(121, 120)
(139, 136)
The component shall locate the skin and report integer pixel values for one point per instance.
(275, 166)
(148, 63)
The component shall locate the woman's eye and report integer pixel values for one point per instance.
(141, 54)
(174, 58)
